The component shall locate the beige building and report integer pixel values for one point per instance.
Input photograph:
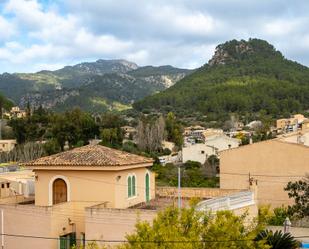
(198, 152)
(6, 145)
(222, 142)
(67, 186)
(290, 124)
(272, 164)
(18, 183)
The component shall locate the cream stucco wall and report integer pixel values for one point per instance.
(272, 163)
(114, 224)
(197, 152)
(46, 222)
(94, 186)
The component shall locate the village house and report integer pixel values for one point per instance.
(211, 132)
(16, 112)
(198, 152)
(6, 145)
(222, 142)
(271, 164)
(299, 137)
(290, 124)
(78, 191)
(16, 183)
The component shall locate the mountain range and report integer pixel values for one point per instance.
(92, 86)
(242, 77)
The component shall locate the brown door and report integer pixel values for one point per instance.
(59, 191)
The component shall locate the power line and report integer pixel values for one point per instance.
(262, 175)
(125, 241)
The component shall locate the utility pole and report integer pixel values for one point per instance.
(179, 188)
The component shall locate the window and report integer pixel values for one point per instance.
(67, 241)
(202, 152)
(131, 186)
(2, 185)
(8, 185)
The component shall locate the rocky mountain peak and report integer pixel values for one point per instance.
(234, 50)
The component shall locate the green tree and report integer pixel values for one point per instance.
(112, 137)
(299, 191)
(173, 129)
(52, 147)
(190, 229)
(73, 126)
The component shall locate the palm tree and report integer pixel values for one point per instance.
(278, 240)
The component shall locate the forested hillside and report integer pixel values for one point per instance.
(242, 77)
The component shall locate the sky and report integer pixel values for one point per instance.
(49, 34)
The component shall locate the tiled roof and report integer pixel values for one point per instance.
(90, 155)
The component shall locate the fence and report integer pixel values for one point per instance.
(231, 202)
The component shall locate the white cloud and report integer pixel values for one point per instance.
(177, 20)
(56, 38)
(283, 27)
(177, 32)
(7, 29)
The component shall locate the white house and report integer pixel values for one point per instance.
(198, 152)
(222, 142)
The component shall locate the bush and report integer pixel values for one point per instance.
(275, 217)
(279, 216)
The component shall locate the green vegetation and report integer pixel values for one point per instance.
(5, 103)
(75, 127)
(187, 228)
(278, 240)
(110, 131)
(253, 76)
(174, 130)
(299, 191)
(193, 174)
(275, 217)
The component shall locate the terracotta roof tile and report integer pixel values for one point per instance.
(90, 155)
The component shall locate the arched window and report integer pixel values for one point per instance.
(60, 192)
(133, 186)
(129, 186)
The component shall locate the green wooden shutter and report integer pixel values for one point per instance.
(147, 187)
(133, 186)
(129, 186)
(63, 242)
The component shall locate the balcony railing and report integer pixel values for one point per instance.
(230, 202)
